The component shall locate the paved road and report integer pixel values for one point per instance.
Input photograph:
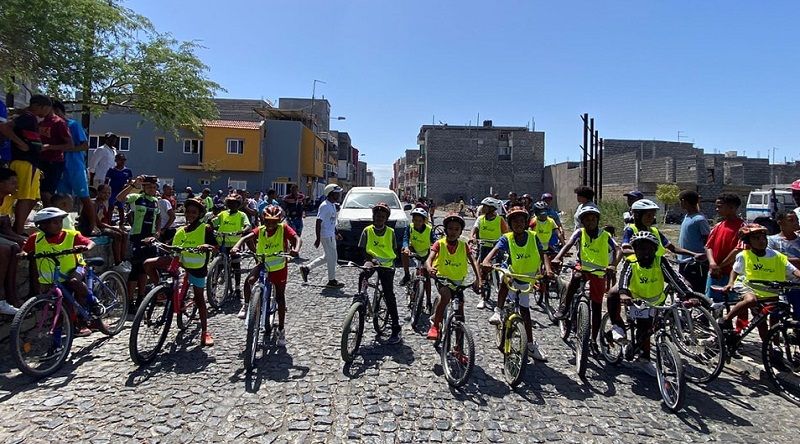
(390, 394)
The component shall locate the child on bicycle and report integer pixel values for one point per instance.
(598, 252)
(232, 223)
(525, 256)
(195, 234)
(418, 240)
(756, 263)
(273, 236)
(379, 244)
(450, 258)
(487, 230)
(644, 217)
(52, 238)
(547, 230)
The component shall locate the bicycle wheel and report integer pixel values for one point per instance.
(352, 331)
(151, 325)
(611, 351)
(583, 332)
(552, 300)
(217, 283)
(111, 293)
(515, 351)
(438, 230)
(39, 347)
(380, 316)
(669, 371)
(699, 339)
(565, 327)
(418, 297)
(188, 311)
(458, 353)
(253, 328)
(780, 353)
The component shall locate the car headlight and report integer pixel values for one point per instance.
(343, 224)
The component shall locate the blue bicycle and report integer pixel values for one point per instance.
(42, 330)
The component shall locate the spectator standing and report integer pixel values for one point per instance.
(585, 197)
(167, 212)
(117, 178)
(5, 143)
(632, 197)
(723, 244)
(169, 193)
(694, 235)
(293, 205)
(74, 180)
(326, 236)
(56, 139)
(189, 193)
(103, 159)
(787, 241)
(551, 212)
(10, 243)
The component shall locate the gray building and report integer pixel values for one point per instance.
(321, 110)
(475, 161)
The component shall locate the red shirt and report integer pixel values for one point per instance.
(30, 243)
(723, 239)
(54, 131)
(288, 234)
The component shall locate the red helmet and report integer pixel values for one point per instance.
(748, 229)
(455, 217)
(272, 212)
(517, 211)
(381, 206)
(796, 185)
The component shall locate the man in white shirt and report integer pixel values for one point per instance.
(165, 207)
(585, 197)
(326, 236)
(102, 159)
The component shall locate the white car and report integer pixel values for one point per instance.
(355, 214)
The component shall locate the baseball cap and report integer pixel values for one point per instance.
(635, 193)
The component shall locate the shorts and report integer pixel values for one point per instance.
(714, 295)
(196, 281)
(75, 182)
(28, 180)
(51, 175)
(597, 288)
(278, 277)
(524, 298)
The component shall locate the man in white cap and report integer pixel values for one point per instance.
(326, 235)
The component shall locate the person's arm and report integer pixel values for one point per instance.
(475, 269)
(432, 259)
(242, 241)
(625, 279)
(362, 245)
(736, 270)
(294, 241)
(136, 185)
(731, 257)
(406, 235)
(487, 261)
(62, 132)
(565, 249)
(503, 226)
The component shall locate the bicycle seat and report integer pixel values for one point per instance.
(95, 261)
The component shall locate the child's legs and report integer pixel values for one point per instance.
(236, 267)
(613, 305)
(278, 280)
(444, 299)
(572, 288)
(200, 301)
(404, 259)
(597, 289)
(76, 283)
(386, 276)
(749, 300)
(501, 295)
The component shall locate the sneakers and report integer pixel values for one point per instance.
(208, 341)
(481, 305)
(395, 338)
(617, 333)
(242, 312)
(433, 333)
(81, 331)
(536, 354)
(304, 273)
(647, 366)
(496, 317)
(7, 309)
(406, 279)
(333, 283)
(281, 342)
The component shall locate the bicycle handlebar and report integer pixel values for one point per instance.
(53, 255)
(450, 283)
(177, 249)
(582, 269)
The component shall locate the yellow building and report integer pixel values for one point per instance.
(231, 145)
(312, 161)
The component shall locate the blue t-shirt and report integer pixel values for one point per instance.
(694, 233)
(5, 144)
(554, 215)
(265, 203)
(75, 160)
(118, 178)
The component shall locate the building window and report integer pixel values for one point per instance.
(205, 182)
(235, 146)
(192, 146)
(237, 184)
(281, 188)
(94, 142)
(160, 145)
(504, 153)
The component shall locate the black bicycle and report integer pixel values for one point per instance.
(221, 271)
(415, 293)
(361, 309)
(457, 347)
(579, 319)
(493, 276)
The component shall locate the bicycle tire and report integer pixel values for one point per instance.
(380, 313)
(253, 329)
(565, 328)
(784, 360)
(21, 345)
(439, 231)
(703, 348)
(349, 349)
(216, 271)
(552, 300)
(188, 310)
(145, 315)
(667, 355)
(416, 305)
(514, 361)
(113, 296)
(583, 333)
(611, 351)
(448, 356)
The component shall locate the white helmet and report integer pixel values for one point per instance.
(48, 213)
(643, 236)
(587, 210)
(420, 211)
(644, 205)
(492, 202)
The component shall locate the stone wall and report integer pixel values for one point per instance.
(560, 180)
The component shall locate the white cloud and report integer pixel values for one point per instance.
(382, 172)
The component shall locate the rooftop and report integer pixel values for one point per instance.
(235, 124)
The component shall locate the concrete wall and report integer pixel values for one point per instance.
(283, 152)
(240, 109)
(560, 180)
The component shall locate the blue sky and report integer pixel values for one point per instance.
(725, 74)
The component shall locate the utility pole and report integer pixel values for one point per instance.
(585, 147)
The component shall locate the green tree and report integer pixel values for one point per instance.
(667, 193)
(96, 54)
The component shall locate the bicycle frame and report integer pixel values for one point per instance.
(779, 309)
(60, 292)
(180, 283)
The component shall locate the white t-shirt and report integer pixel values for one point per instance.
(327, 214)
(163, 209)
(100, 161)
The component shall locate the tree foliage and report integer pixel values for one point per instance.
(667, 193)
(96, 54)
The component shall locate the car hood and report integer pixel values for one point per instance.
(366, 214)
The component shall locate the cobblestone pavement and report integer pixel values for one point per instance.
(390, 394)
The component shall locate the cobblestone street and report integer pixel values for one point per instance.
(389, 394)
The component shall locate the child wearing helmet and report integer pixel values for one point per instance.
(488, 229)
(546, 228)
(644, 217)
(230, 224)
(525, 256)
(51, 237)
(449, 258)
(599, 254)
(273, 236)
(417, 239)
(756, 263)
(380, 246)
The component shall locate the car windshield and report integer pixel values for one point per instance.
(369, 200)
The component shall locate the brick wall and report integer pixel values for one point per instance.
(619, 169)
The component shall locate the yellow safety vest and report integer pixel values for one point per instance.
(544, 230)
(595, 252)
(420, 242)
(191, 239)
(763, 269)
(67, 263)
(489, 229)
(452, 266)
(525, 259)
(230, 223)
(381, 247)
(647, 284)
(660, 250)
(269, 245)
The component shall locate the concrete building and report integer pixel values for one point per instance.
(405, 175)
(321, 110)
(475, 161)
(361, 174)
(370, 179)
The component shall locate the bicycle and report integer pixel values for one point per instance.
(669, 365)
(221, 273)
(261, 313)
(360, 310)
(42, 330)
(551, 290)
(493, 276)
(457, 350)
(579, 319)
(511, 336)
(543, 287)
(415, 292)
(171, 297)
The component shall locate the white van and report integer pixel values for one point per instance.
(759, 203)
